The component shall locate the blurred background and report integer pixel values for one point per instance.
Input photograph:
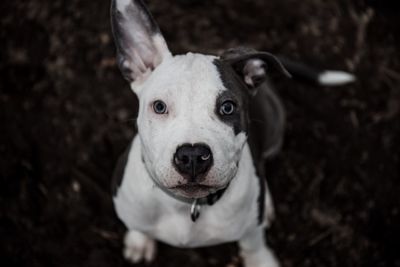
(67, 114)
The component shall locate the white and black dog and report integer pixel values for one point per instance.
(193, 176)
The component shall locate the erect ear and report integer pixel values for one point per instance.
(139, 42)
(252, 66)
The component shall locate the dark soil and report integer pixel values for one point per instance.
(67, 114)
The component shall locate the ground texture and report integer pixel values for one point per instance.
(67, 114)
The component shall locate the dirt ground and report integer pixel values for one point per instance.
(67, 114)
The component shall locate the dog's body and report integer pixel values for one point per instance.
(243, 210)
(193, 176)
(167, 219)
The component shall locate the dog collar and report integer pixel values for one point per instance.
(208, 200)
(196, 203)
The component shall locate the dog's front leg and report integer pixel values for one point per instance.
(139, 247)
(254, 251)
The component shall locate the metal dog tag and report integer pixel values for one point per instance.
(195, 210)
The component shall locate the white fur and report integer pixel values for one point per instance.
(254, 252)
(123, 4)
(331, 78)
(142, 206)
(138, 247)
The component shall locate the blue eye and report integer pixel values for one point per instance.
(159, 107)
(227, 108)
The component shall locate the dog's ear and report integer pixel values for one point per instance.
(139, 42)
(252, 66)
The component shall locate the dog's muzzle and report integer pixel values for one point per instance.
(192, 162)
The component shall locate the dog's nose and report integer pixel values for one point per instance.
(193, 160)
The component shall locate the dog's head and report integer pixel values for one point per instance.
(193, 118)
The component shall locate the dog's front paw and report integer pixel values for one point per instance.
(139, 247)
(260, 258)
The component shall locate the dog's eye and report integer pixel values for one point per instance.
(159, 107)
(227, 108)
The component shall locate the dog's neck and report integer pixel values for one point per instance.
(207, 200)
(211, 199)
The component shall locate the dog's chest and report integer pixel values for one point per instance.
(214, 226)
(168, 220)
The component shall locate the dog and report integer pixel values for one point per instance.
(193, 175)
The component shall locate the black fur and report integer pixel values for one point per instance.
(120, 170)
(236, 92)
(261, 117)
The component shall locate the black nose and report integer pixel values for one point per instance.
(193, 160)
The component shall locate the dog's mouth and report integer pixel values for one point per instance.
(194, 190)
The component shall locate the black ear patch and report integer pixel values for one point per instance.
(252, 66)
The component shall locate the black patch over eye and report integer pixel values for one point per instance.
(237, 93)
(159, 107)
(227, 108)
